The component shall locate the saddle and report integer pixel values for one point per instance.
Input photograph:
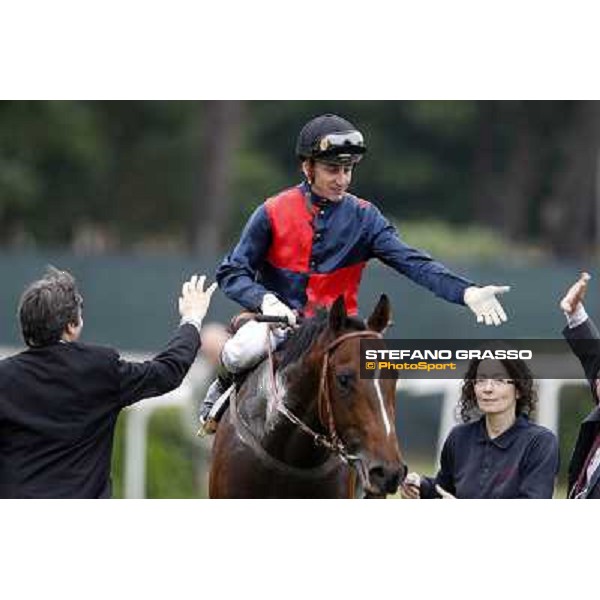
(232, 383)
(258, 403)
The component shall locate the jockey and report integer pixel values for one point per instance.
(308, 244)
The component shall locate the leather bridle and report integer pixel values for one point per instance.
(330, 440)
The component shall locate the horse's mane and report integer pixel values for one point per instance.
(304, 337)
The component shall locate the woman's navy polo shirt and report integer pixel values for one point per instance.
(522, 462)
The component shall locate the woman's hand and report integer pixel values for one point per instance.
(410, 488)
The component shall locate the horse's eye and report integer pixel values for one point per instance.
(345, 380)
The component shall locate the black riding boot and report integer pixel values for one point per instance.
(208, 422)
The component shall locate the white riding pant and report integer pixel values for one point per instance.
(249, 346)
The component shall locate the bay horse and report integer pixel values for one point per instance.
(314, 429)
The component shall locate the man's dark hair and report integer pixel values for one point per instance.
(47, 306)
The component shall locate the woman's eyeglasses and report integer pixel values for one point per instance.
(493, 381)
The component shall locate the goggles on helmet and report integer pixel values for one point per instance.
(349, 142)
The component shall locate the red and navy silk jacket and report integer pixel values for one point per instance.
(308, 251)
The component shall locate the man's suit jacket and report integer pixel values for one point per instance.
(582, 340)
(58, 409)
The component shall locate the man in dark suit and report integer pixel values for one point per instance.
(59, 399)
(584, 339)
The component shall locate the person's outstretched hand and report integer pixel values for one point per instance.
(194, 301)
(482, 301)
(574, 297)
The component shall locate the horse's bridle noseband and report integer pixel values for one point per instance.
(331, 439)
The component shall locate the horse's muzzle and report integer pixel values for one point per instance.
(387, 477)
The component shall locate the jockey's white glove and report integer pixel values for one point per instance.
(274, 307)
(482, 301)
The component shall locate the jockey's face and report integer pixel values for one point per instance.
(328, 180)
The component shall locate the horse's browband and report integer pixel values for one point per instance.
(353, 334)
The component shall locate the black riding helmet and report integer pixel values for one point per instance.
(331, 139)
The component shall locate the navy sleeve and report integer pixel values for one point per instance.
(417, 265)
(165, 372)
(237, 273)
(539, 467)
(445, 477)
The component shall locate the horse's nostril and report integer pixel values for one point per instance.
(393, 481)
(377, 476)
(386, 479)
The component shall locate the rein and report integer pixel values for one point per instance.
(331, 439)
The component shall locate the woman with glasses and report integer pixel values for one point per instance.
(497, 452)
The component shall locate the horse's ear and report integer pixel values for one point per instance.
(337, 314)
(380, 317)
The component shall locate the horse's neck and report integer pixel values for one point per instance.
(284, 439)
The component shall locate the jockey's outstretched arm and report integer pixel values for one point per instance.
(418, 266)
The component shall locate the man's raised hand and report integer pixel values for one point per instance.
(194, 300)
(575, 294)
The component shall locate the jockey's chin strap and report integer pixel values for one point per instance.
(331, 439)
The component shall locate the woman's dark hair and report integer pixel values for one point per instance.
(518, 372)
(47, 306)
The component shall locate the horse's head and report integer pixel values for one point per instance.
(360, 412)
